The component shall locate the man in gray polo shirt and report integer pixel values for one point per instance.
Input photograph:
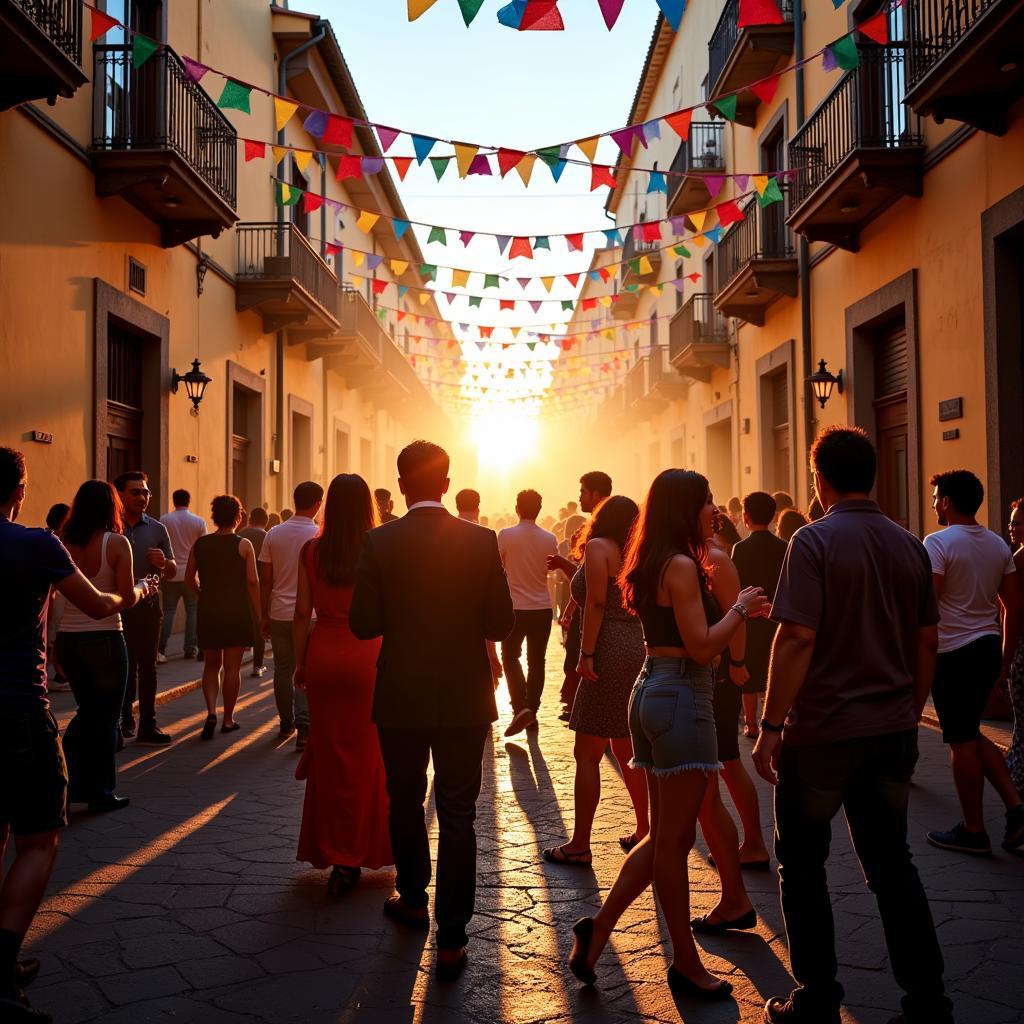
(851, 667)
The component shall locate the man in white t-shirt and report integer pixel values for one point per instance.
(525, 550)
(974, 576)
(184, 528)
(279, 582)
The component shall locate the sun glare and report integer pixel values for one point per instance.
(504, 435)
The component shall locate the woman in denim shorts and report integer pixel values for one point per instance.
(665, 580)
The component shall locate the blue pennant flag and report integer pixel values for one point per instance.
(656, 182)
(511, 16)
(715, 233)
(316, 123)
(612, 236)
(673, 11)
(422, 145)
(400, 226)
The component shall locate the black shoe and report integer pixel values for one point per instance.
(397, 909)
(209, 727)
(962, 841)
(108, 803)
(1013, 838)
(286, 729)
(16, 1009)
(127, 727)
(151, 736)
(681, 985)
(583, 929)
(450, 963)
(190, 653)
(785, 1011)
(702, 926)
(26, 971)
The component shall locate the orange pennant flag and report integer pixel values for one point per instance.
(418, 7)
(588, 147)
(525, 167)
(283, 111)
(402, 165)
(680, 123)
(697, 218)
(464, 156)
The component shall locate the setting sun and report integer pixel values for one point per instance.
(504, 435)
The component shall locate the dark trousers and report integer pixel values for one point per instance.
(96, 666)
(142, 636)
(457, 755)
(870, 779)
(533, 626)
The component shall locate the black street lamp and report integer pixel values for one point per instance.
(195, 382)
(822, 382)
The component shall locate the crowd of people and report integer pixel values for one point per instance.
(390, 635)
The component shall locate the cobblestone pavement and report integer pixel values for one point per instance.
(189, 906)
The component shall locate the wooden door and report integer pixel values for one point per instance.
(124, 401)
(892, 419)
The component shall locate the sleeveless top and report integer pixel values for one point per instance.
(71, 620)
(659, 621)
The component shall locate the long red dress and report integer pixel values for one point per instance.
(345, 811)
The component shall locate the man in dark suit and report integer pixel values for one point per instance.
(433, 587)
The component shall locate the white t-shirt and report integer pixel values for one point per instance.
(524, 551)
(972, 561)
(184, 528)
(281, 548)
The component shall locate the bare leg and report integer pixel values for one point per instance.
(636, 785)
(26, 878)
(588, 751)
(211, 679)
(232, 681)
(720, 832)
(751, 721)
(994, 767)
(744, 796)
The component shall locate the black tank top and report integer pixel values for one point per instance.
(659, 622)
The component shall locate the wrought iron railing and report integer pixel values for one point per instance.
(703, 150)
(631, 249)
(271, 250)
(726, 35)
(936, 26)
(61, 20)
(157, 107)
(762, 234)
(357, 317)
(696, 322)
(864, 110)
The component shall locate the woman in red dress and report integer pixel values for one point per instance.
(345, 813)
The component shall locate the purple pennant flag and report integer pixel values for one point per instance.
(625, 139)
(678, 225)
(463, 327)
(450, 296)
(535, 305)
(482, 345)
(373, 262)
(373, 164)
(387, 136)
(194, 71)
(523, 282)
(650, 131)
(480, 165)
(316, 123)
(679, 282)
(828, 59)
(502, 241)
(714, 183)
(741, 181)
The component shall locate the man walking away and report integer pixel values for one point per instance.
(279, 583)
(467, 503)
(385, 506)
(151, 553)
(851, 667)
(184, 528)
(974, 576)
(33, 795)
(433, 587)
(254, 534)
(525, 550)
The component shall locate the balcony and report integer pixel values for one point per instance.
(858, 153)
(965, 60)
(629, 295)
(756, 263)
(739, 56)
(40, 50)
(160, 143)
(663, 383)
(636, 383)
(358, 351)
(281, 277)
(698, 338)
(703, 152)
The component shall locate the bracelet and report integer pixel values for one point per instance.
(738, 664)
(740, 610)
(585, 654)
(767, 726)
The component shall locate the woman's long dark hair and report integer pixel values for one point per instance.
(97, 507)
(669, 524)
(614, 519)
(349, 512)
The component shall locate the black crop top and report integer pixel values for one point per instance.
(659, 622)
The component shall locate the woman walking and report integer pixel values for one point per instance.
(222, 570)
(1015, 682)
(664, 579)
(345, 811)
(611, 654)
(92, 652)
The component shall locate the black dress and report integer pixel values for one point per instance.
(225, 611)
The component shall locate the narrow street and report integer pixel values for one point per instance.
(189, 906)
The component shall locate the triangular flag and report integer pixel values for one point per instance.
(760, 183)
(280, 152)
(575, 242)
(600, 175)
(378, 286)
(283, 111)
(758, 12)
(400, 227)
(302, 158)
(387, 137)
(765, 90)
(143, 48)
(422, 145)
(437, 234)
(418, 7)
(481, 165)
(728, 212)
(311, 202)
(740, 181)
(714, 183)
(470, 9)
(610, 11)
(625, 139)
(502, 241)
(520, 247)
(876, 28)
(547, 282)
(465, 237)
(194, 71)
(771, 194)
(428, 270)
(349, 167)
(844, 53)
(254, 150)
(697, 219)
(715, 233)
(234, 97)
(644, 267)
(542, 16)
(573, 279)
(372, 164)
(612, 236)
(102, 24)
(425, 297)
(525, 167)
(726, 106)
(698, 241)
(511, 15)
(288, 196)
(440, 165)
(679, 122)
(358, 257)
(673, 11)
(366, 221)
(588, 147)
(333, 248)
(507, 159)
(357, 280)
(338, 132)
(398, 267)
(464, 157)
(315, 123)
(402, 165)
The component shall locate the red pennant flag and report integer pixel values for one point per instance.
(728, 212)
(486, 332)
(402, 165)
(604, 274)
(876, 28)
(506, 304)
(679, 122)
(254, 150)
(542, 16)
(101, 24)
(521, 247)
(349, 167)
(759, 12)
(573, 279)
(600, 175)
(401, 315)
(615, 297)
(765, 91)
(333, 248)
(651, 232)
(589, 303)
(567, 343)
(575, 242)
(311, 202)
(693, 277)
(338, 131)
(508, 159)
(378, 286)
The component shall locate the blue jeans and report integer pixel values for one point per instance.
(172, 593)
(292, 705)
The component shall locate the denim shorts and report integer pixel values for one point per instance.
(672, 719)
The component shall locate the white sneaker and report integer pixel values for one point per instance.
(161, 659)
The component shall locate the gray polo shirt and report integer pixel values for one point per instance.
(145, 534)
(864, 585)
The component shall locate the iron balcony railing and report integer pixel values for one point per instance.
(864, 111)
(357, 317)
(936, 26)
(631, 248)
(156, 107)
(273, 251)
(697, 322)
(726, 35)
(61, 20)
(761, 235)
(703, 150)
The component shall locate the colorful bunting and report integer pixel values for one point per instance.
(765, 89)
(728, 212)
(366, 221)
(508, 159)
(876, 28)
(480, 165)
(588, 147)
(470, 9)
(235, 96)
(771, 194)
(254, 150)
(673, 11)
(465, 237)
(680, 123)
(525, 167)
(338, 132)
(843, 54)
(311, 202)
(283, 111)
(418, 7)
(520, 247)
(460, 278)
(759, 12)
(400, 227)
(440, 165)
(398, 267)
(402, 165)
(194, 71)
(625, 139)
(143, 48)
(726, 106)
(101, 24)
(349, 167)
(422, 145)
(656, 183)
(387, 137)
(437, 234)
(464, 157)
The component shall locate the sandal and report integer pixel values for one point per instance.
(209, 728)
(560, 855)
(342, 879)
(233, 727)
(628, 842)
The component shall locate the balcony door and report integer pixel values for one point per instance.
(892, 421)
(773, 217)
(124, 401)
(131, 98)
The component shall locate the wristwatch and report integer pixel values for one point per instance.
(767, 726)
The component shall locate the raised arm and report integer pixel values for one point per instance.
(97, 605)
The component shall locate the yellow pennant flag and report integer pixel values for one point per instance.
(399, 267)
(366, 221)
(547, 282)
(588, 147)
(464, 156)
(605, 300)
(645, 266)
(460, 278)
(357, 257)
(357, 281)
(698, 241)
(302, 158)
(418, 7)
(515, 332)
(283, 110)
(425, 297)
(525, 167)
(697, 218)
(608, 333)
(280, 152)
(655, 289)
(760, 183)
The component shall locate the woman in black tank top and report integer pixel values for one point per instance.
(670, 717)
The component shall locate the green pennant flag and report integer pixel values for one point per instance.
(286, 195)
(491, 281)
(437, 235)
(428, 270)
(634, 265)
(681, 250)
(470, 9)
(567, 304)
(235, 97)
(846, 53)
(382, 313)
(632, 287)
(531, 345)
(550, 155)
(440, 165)
(772, 194)
(726, 106)
(142, 49)
(474, 301)
(541, 242)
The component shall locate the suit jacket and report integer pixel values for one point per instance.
(433, 587)
(758, 560)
